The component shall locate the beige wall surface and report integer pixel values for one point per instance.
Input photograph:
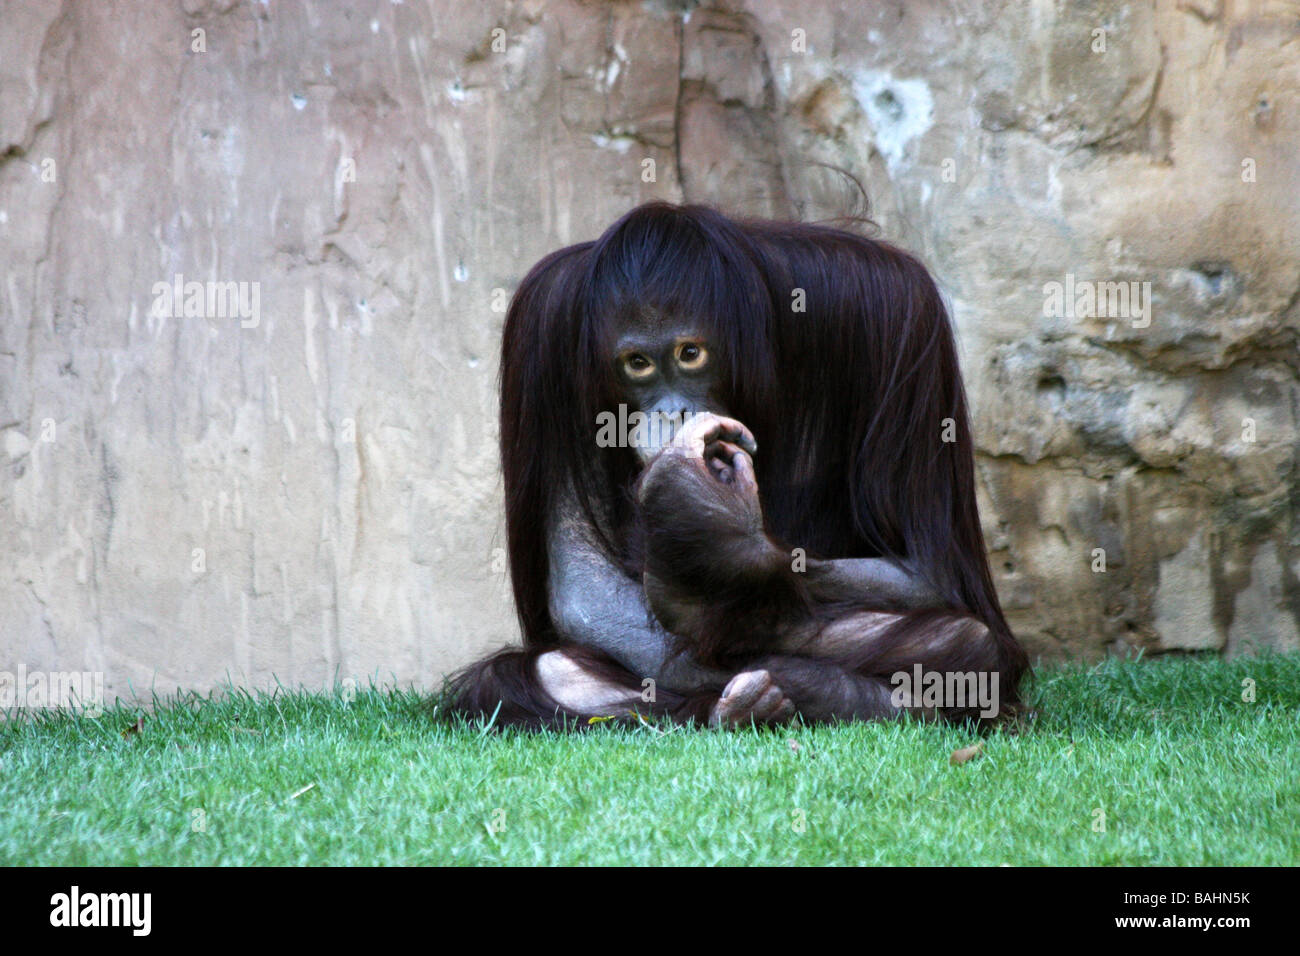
(308, 489)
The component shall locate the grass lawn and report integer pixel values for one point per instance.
(1185, 771)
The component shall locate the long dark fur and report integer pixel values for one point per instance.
(847, 399)
(504, 688)
(712, 576)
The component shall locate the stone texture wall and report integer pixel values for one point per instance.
(310, 491)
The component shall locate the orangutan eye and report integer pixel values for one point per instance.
(692, 356)
(638, 366)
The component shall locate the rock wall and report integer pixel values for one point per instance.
(301, 484)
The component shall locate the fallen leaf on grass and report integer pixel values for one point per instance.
(645, 723)
(966, 753)
(136, 728)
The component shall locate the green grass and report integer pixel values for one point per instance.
(1185, 771)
